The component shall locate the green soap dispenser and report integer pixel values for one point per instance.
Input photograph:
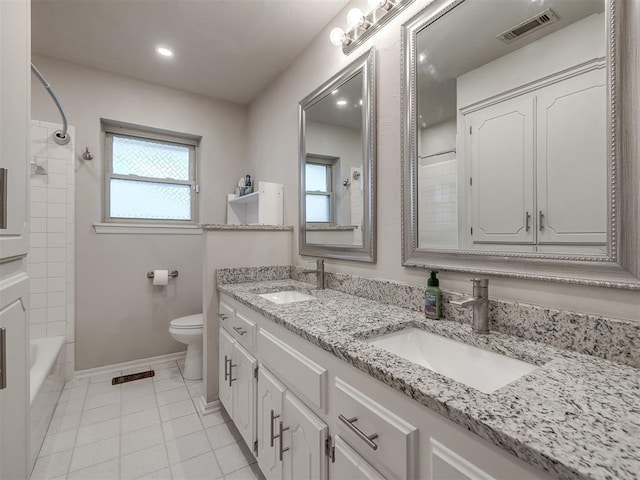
(433, 297)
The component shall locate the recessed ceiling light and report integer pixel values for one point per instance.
(341, 103)
(334, 92)
(164, 52)
(422, 57)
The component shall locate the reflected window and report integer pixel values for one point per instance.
(319, 191)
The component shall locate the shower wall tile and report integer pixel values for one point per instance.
(51, 259)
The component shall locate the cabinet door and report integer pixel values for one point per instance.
(270, 400)
(14, 398)
(572, 167)
(15, 55)
(244, 393)
(304, 440)
(501, 141)
(349, 465)
(225, 358)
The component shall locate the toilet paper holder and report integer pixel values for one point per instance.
(172, 273)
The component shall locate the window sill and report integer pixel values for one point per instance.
(147, 229)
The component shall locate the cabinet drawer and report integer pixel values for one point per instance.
(394, 451)
(349, 465)
(226, 314)
(297, 371)
(244, 330)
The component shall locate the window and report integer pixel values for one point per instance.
(319, 190)
(149, 178)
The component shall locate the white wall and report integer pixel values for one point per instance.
(119, 315)
(51, 259)
(320, 61)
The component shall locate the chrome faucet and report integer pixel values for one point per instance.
(319, 271)
(480, 304)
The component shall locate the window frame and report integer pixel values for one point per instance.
(109, 131)
(330, 163)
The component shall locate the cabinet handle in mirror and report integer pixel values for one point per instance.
(222, 316)
(226, 372)
(273, 437)
(368, 439)
(526, 221)
(281, 437)
(3, 358)
(541, 220)
(240, 330)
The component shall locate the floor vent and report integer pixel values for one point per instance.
(132, 377)
(530, 25)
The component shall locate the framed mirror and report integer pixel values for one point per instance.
(511, 141)
(337, 157)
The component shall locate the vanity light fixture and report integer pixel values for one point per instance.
(361, 26)
(164, 52)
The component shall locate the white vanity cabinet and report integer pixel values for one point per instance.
(332, 416)
(537, 175)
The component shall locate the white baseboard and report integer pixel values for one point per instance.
(210, 407)
(143, 362)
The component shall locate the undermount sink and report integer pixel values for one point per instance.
(287, 296)
(475, 367)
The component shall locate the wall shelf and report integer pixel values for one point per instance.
(263, 207)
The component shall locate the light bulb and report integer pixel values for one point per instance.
(341, 103)
(338, 37)
(373, 4)
(355, 18)
(165, 52)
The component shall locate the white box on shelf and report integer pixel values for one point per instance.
(263, 207)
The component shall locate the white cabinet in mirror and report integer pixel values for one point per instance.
(510, 153)
(337, 165)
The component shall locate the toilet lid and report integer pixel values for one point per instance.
(189, 321)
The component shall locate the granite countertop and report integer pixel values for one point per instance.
(577, 416)
(217, 227)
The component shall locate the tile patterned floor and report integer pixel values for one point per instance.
(147, 429)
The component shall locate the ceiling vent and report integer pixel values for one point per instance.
(532, 24)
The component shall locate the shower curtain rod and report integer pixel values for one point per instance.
(61, 137)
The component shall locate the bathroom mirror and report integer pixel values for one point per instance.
(337, 165)
(510, 140)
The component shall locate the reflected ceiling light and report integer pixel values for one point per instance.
(422, 57)
(164, 52)
(334, 92)
(360, 101)
(361, 26)
(341, 103)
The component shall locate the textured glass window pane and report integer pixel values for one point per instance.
(316, 177)
(163, 201)
(318, 208)
(134, 156)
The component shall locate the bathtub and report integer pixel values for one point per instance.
(46, 382)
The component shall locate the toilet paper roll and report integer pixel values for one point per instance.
(160, 277)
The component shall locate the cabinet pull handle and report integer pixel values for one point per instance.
(226, 372)
(240, 330)
(222, 316)
(541, 220)
(3, 358)
(281, 437)
(273, 437)
(526, 223)
(231, 379)
(368, 439)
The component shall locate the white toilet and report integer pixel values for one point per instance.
(188, 330)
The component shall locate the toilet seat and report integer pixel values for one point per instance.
(190, 321)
